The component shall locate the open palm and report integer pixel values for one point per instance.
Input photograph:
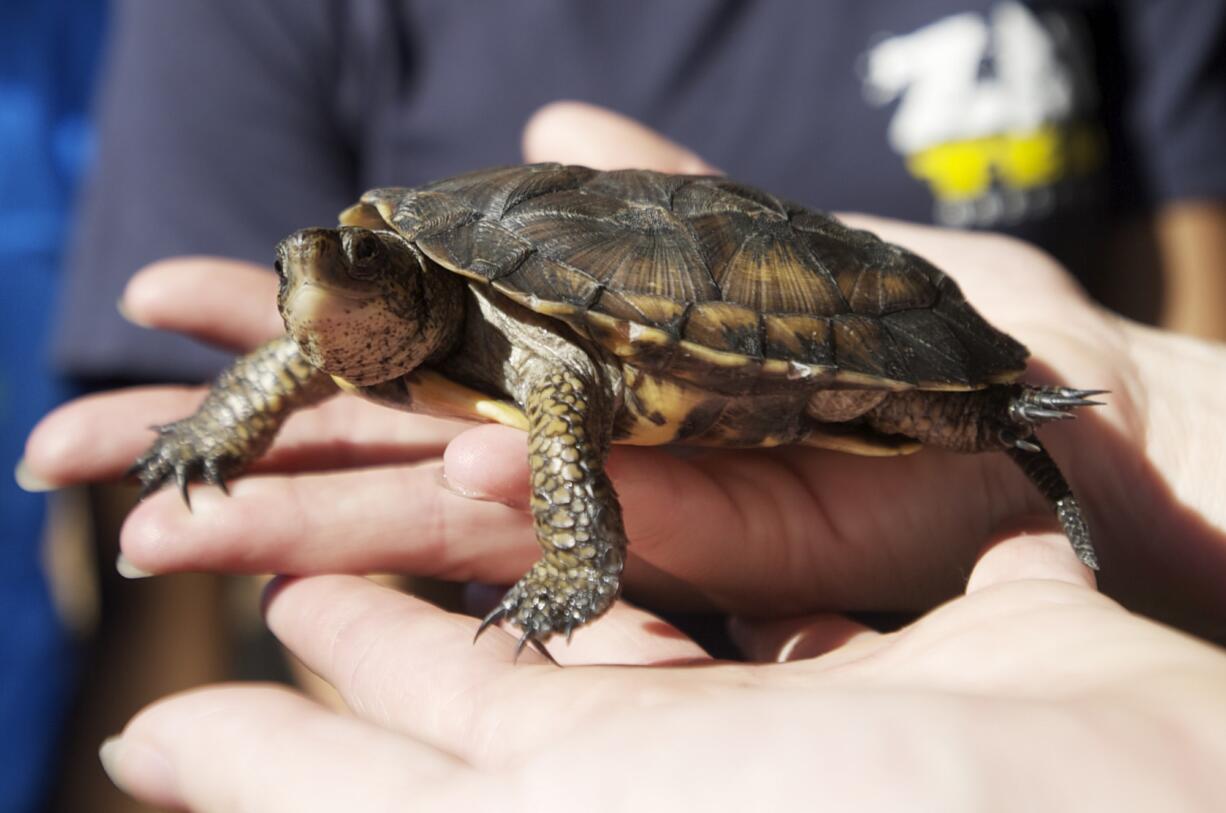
(1031, 692)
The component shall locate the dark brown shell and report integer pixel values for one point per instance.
(712, 280)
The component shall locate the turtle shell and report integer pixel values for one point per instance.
(702, 277)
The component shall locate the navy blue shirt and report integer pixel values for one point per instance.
(226, 123)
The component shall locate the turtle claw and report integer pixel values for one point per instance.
(542, 605)
(493, 617)
(214, 477)
(181, 479)
(1069, 397)
(519, 647)
(528, 638)
(1037, 405)
(540, 647)
(1035, 414)
(180, 455)
(1027, 445)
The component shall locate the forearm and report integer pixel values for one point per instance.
(1192, 248)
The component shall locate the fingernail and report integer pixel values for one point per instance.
(691, 164)
(127, 314)
(461, 490)
(136, 768)
(129, 570)
(108, 755)
(474, 494)
(270, 592)
(28, 480)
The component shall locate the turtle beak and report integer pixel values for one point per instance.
(315, 288)
(315, 258)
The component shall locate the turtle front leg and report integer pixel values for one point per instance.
(576, 512)
(237, 421)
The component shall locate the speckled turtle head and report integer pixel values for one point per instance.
(358, 302)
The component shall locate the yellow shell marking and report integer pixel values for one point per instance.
(363, 214)
(668, 400)
(864, 445)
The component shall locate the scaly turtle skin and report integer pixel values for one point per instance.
(591, 308)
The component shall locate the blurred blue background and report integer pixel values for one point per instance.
(49, 52)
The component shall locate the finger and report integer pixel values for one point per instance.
(780, 532)
(579, 133)
(409, 519)
(96, 438)
(800, 638)
(221, 301)
(398, 518)
(264, 748)
(715, 536)
(1024, 556)
(391, 655)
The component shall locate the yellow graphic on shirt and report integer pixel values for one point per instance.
(993, 111)
(965, 170)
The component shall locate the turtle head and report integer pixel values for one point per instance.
(362, 304)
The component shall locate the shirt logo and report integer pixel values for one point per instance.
(993, 114)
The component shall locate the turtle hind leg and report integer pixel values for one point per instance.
(1032, 407)
(998, 418)
(1041, 470)
(577, 516)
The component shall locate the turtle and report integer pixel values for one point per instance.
(591, 307)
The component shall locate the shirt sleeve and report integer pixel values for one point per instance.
(217, 134)
(1175, 52)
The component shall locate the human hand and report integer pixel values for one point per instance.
(767, 531)
(1030, 692)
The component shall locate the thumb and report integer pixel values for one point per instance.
(1022, 555)
(579, 133)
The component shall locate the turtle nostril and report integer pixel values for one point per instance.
(366, 249)
(364, 254)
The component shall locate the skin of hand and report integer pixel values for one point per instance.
(1191, 239)
(1031, 691)
(351, 487)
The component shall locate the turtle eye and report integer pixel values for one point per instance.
(280, 269)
